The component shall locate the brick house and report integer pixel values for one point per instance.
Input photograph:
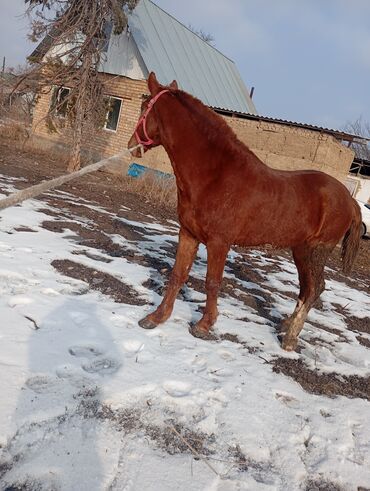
(156, 41)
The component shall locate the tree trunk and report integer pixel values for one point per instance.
(80, 108)
(75, 158)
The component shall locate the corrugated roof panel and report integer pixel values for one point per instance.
(172, 51)
(183, 59)
(200, 82)
(206, 58)
(230, 96)
(179, 56)
(142, 32)
(190, 79)
(234, 77)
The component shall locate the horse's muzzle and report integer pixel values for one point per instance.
(137, 153)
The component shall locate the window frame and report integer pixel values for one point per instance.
(56, 95)
(119, 114)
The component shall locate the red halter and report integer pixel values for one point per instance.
(142, 120)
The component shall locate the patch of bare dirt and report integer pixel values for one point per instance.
(353, 323)
(60, 226)
(90, 236)
(94, 257)
(358, 325)
(99, 281)
(24, 229)
(364, 341)
(316, 485)
(28, 485)
(233, 338)
(171, 437)
(164, 437)
(245, 464)
(328, 384)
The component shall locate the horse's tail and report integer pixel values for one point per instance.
(351, 240)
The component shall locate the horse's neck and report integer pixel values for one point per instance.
(183, 142)
(195, 157)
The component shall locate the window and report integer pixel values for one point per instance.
(59, 101)
(113, 112)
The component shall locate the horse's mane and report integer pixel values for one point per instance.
(209, 124)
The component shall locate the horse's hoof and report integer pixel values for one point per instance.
(147, 323)
(200, 333)
(289, 343)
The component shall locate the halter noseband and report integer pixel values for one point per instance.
(142, 120)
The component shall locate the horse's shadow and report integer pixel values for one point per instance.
(71, 355)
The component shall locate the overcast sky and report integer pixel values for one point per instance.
(309, 60)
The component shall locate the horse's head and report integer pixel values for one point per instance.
(147, 128)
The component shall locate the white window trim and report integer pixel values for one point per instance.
(119, 115)
(59, 89)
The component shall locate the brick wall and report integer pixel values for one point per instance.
(278, 145)
(286, 147)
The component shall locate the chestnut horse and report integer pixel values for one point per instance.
(227, 196)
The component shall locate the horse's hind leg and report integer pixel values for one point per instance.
(186, 252)
(310, 262)
(216, 257)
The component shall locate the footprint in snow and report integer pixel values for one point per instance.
(85, 351)
(226, 355)
(102, 366)
(74, 376)
(97, 363)
(42, 384)
(199, 364)
(176, 388)
(49, 292)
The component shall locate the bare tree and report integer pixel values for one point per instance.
(27, 98)
(360, 127)
(73, 35)
(16, 103)
(206, 36)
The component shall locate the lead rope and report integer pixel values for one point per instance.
(44, 186)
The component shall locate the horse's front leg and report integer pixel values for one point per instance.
(186, 252)
(216, 257)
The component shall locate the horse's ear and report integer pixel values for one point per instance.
(153, 84)
(173, 85)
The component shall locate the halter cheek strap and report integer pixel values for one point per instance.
(142, 121)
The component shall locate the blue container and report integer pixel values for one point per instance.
(138, 170)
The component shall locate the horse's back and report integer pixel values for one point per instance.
(319, 206)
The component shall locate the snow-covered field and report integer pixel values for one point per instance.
(90, 401)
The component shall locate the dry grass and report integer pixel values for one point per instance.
(21, 137)
(14, 107)
(13, 130)
(161, 191)
(40, 149)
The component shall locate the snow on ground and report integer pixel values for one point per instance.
(90, 401)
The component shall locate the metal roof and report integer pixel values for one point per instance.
(173, 51)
